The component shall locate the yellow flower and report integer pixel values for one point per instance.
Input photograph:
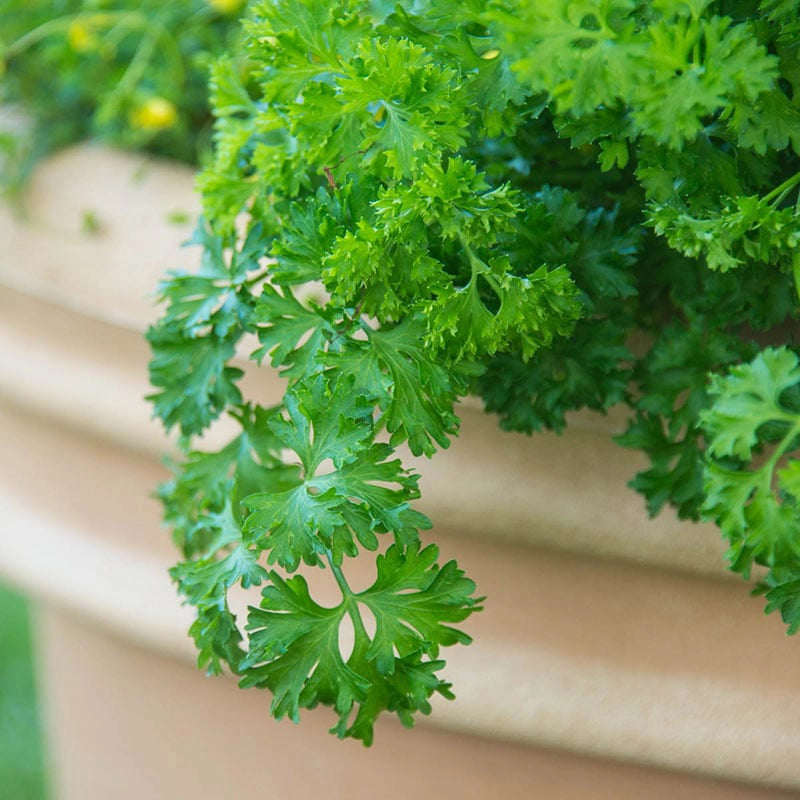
(80, 36)
(155, 114)
(226, 6)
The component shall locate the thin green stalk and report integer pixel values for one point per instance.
(259, 276)
(479, 267)
(172, 51)
(779, 192)
(134, 20)
(796, 272)
(349, 599)
(54, 26)
(767, 471)
(339, 575)
(136, 68)
(125, 20)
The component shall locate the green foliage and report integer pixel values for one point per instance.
(752, 489)
(747, 229)
(667, 66)
(556, 205)
(588, 368)
(295, 651)
(130, 73)
(206, 316)
(23, 773)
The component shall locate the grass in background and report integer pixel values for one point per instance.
(21, 757)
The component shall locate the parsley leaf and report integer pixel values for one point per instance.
(415, 394)
(755, 411)
(295, 649)
(318, 512)
(194, 382)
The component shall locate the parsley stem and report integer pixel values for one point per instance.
(767, 471)
(350, 602)
(259, 276)
(339, 575)
(780, 191)
(796, 272)
(479, 267)
(476, 265)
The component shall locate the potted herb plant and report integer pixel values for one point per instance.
(407, 207)
(553, 206)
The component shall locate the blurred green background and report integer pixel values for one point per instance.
(22, 774)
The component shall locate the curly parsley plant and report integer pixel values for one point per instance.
(556, 205)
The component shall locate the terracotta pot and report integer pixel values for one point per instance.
(614, 656)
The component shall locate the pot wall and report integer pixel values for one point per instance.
(107, 703)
